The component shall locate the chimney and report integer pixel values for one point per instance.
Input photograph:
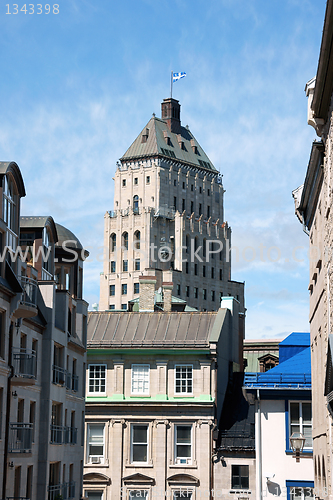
(167, 287)
(171, 114)
(147, 293)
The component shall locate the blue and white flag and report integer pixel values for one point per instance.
(178, 76)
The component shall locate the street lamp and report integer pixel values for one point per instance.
(297, 441)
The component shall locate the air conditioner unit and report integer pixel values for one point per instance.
(95, 460)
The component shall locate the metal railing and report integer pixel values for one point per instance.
(58, 434)
(24, 363)
(71, 489)
(68, 380)
(20, 437)
(59, 375)
(75, 383)
(29, 294)
(70, 435)
(58, 491)
(267, 379)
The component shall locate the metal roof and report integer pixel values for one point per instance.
(155, 329)
(156, 144)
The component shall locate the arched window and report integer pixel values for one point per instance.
(113, 242)
(137, 240)
(125, 241)
(135, 204)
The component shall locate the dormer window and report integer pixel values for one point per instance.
(46, 255)
(145, 135)
(10, 211)
(167, 138)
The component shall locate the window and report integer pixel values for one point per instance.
(175, 202)
(178, 289)
(208, 211)
(1, 410)
(200, 208)
(140, 379)
(113, 266)
(192, 207)
(124, 289)
(204, 294)
(137, 265)
(148, 179)
(200, 189)
(10, 212)
(192, 187)
(112, 307)
(221, 274)
(137, 240)
(112, 290)
(204, 271)
(2, 333)
(183, 204)
(97, 378)
(124, 182)
(113, 238)
(136, 204)
(301, 421)
(187, 290)
(183, 379)
(240, 477)
(95, 443)
(208, 192)
(94, 495)
(300, 490)
(212, 295)
(196, 269)
(125, 241)
(196, 290)
(183, 185)
(185, 493)
(186, 267)
(124, 307)
(139, 443)
(125, 266)
(183, 444)
(221, 296)
(136, 181)
(136, 288)
(174, 182)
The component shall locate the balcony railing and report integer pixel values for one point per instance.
(267, 379)
(68, 380)
(24, 363)
(20, 437)
(29, 294)
(59, 375)
(58, 434)
(70, 435)
(65, 491)
(75, 383)
(71, 489)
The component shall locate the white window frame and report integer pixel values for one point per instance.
(301, 425)
(138, 392)
(131, 441)
(94, 392)
(187, 365)
(100, 459)
(180, 460)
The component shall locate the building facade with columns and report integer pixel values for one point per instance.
(168, 213)
(313, 204)
(156, 383)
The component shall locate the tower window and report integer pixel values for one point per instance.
(124, 289)
(187, 291)
(137, 240)
(196, 290)
(124, 182)
(113, 266)
(200, 209)
(192, 207)
(183, 185)
(136, 181)
(113, 242)
(148, 179)
(183, 204)
(137, 265)
(212, 295)
(186, 267)
(221, 274)
(125, 266)
(178, 289)
(112, 290)
(208, 211)
(175, 202)
(192, 187)
(208, 192)
(213, 272)
(204, 271)
(175, 182)
(200, 189)
(136, 204)
(204, 294)
(196, 269)
(136, 288)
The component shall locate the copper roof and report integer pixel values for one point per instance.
(156, 145)
(155, 329)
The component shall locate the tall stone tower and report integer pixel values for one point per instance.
(168, 214)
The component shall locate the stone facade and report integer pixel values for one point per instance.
(168, 207)
(42, 354)
(313, 203)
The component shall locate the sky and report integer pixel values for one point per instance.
(79, 85)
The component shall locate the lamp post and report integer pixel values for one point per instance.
(297, 441)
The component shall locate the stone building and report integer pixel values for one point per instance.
(313, 203)
(156, 383)
(42, 352)
(168, 213)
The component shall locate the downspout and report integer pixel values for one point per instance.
(258, 447)
(8, 404)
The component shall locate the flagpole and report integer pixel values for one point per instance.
(171, 82)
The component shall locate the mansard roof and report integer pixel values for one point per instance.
(155, 329)
(160, 141)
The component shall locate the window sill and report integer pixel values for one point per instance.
(96, 395)
(105, 464)
(183, 466)
(140, 465)
(140, 396)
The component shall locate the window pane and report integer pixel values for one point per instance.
(183, 451)
(139, 434)
(139, 453)
(96, 433)
(94, 495)
(294, 413)
(138, 494)
(96, 450)
(183, 434)
(307, 433)
(306, 413)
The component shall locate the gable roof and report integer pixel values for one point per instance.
(156, 145)
(154, 329)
